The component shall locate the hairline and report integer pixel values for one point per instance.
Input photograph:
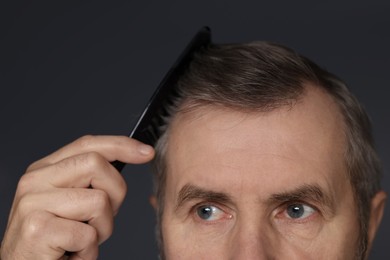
(192, 106)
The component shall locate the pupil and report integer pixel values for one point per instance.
(295, 211)
(205, 212)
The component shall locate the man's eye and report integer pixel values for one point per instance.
(299, 211)
(209, 213)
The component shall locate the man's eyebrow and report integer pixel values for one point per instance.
(189, 192)
(304, 193)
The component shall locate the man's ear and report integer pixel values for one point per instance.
(377, 208)
(153, 201)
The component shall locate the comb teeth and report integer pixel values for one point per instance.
(160, 118)
(153, 119)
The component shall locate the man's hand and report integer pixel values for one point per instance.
(67, 200)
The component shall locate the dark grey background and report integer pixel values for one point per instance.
(85, 67)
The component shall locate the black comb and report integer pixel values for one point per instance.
(147, 127)
(148, 124)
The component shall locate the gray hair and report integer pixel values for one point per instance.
(262, 76)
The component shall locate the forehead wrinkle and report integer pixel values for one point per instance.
(311, 192)
(190, 192)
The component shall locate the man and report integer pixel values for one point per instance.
(264, 156)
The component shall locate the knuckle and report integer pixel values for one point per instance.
(90, 234)
(100, 200)
(32, 166)
(25, 183)
(34, 225)
(84, 235)
(25, 204)
(94, 159)
(85, 141)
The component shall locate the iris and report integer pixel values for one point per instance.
(295, 210)
(205, 212)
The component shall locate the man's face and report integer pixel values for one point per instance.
(259, 185)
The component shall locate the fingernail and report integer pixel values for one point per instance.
(145, 149)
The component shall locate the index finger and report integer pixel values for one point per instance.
(121, 148)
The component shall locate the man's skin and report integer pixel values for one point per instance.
(252, 170)
(233, 175)
(53, 198)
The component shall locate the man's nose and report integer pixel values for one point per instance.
(252, 242)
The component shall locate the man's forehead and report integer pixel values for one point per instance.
(312, 96)
(315, 110)
(212, 144)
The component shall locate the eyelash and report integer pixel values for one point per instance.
(281, 212)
